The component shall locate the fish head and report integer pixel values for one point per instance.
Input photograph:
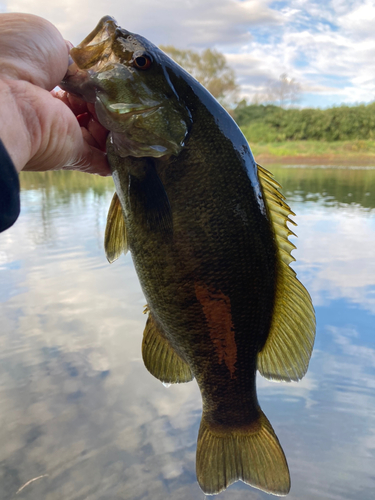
(125, 77)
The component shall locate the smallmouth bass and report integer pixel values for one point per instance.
(207, 230)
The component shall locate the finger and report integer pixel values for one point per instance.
(76, 104)
(55, 137)
(86, 116)
(98, 132)
(92, 161)
(91, 108)
(84, 120)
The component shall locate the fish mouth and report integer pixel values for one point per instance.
(77, 82)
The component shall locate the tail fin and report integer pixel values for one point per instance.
(251, 454)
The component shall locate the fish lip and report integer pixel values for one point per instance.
(73, 69)
(77, 76)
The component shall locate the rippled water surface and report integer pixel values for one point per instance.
(80, 416)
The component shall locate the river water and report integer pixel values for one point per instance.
(80, 416)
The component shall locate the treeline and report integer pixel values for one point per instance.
(270, 123)
(339, 185)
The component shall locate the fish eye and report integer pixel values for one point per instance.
(143, 61)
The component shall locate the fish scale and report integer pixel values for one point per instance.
(207, 230)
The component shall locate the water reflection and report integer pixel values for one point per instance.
(81, 413)
(330, 186)
(336, 236)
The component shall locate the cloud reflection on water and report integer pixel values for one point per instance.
(78, 404)
(335, 248)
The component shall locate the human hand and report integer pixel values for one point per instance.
(39, 126)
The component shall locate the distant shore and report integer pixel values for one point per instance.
(357, 152)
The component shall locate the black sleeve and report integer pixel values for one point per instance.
(9, 190)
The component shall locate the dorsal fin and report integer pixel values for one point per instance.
(287, 351)
(115, 241)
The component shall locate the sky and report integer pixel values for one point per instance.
(327, 46)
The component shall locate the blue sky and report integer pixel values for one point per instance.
(328, 47)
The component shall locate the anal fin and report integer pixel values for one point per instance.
(160, 359)
(115, 241)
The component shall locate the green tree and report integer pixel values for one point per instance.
(210, 68)
(270, 123)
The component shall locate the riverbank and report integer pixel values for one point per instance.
(357, 152)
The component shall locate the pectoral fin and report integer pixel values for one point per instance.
(287, 351)
(115, 241)
(160, 358)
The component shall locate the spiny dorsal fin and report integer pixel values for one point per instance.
(250, 454)
(160, 359)
(115, 242)
(287, 351)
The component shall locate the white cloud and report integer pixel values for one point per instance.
(329, 47)
(359, 21)
(196, 22)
